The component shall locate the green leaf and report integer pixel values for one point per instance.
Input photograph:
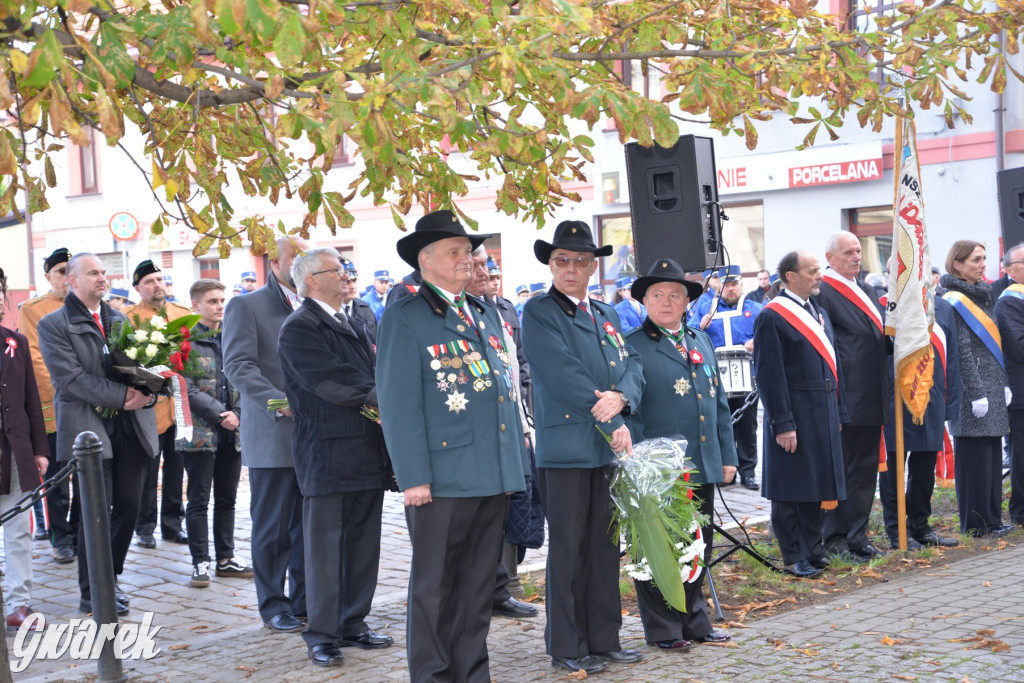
(290, 42)
(114, 56)
(261, 16)
(227, 20)
(43, 61)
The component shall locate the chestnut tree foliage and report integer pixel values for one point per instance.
(260, 92)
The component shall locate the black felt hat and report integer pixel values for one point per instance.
(665, 270)
(59, 256)
(571, 235)
(433, 227)
(142, 270)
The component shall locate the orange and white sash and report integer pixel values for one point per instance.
(856, 296)
(809, 328)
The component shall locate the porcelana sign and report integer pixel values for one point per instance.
(812, 167)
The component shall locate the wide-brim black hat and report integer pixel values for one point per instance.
(570, 235)
(433, 227)
(665, 270)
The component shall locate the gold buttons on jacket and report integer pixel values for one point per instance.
(699, 396)
(604, 343)
(611, 363)
(501, 428)
(613, 386)
(694, 374)
(501, 399)
(444, 444)
(703, 439)
(567, 416)
(701, 418)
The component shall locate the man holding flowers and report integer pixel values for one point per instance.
(681, 396)
(149, 283)
(73, 340)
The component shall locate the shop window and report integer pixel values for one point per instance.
(873, 227)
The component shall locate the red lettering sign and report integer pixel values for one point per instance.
(838, 172)
(730, 178)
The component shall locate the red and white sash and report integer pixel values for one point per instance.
(939, 342)
(809, 328)
(855, 295)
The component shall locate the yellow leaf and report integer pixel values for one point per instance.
(19, 60)
(170, 189)
(6, 99)
(158, 175)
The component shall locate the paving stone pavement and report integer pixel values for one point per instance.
(215, 634)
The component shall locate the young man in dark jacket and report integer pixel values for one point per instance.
(213, 454)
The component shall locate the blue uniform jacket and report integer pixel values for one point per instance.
(739, 318)
(628, 316)
(440, 430)
(569, 360)
(682, 398)
(375, 302)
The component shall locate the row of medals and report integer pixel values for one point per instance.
(455, 362)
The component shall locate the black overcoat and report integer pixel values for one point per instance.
(798, 392)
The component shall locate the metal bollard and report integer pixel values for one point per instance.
(96, 525)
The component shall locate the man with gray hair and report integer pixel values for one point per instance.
(251, 327)
(340, 461)
(73, 340)
(1009, 313)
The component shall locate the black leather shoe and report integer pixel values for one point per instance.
(514, 608)
(750, 483)
(41, 534)
(285, 622)
(147, 541)
(620, 656)
(325, 654)
(120, 596)
(681, 644)
(933, 538)
(716, 637)
(367, 640)
(175, 537)
(1000, 530)
(63, 554)
(86, 606)
(867, 551)
(912, 544)
(847, 557)
(589, 664)
(820, 562)
(802, 570)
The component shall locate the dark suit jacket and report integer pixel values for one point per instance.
(999, 284)
(365, 314)
(944, 397)
(440, 430)
(863, 353)
(328, 376)
(24, 432)
(669, 406)
(569, 360)
(1009, 312)
(798, 392)
(73, 349)
(251, 326)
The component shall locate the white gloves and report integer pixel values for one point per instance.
(980, 407)
(1008, 394)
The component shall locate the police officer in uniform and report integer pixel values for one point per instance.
(451, 422)
(153, 289)
(631, 312)
(63, 531)
(733, 325)
(682, 396)
(354, 306)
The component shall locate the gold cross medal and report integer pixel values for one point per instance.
(682, 386)
(456, 402)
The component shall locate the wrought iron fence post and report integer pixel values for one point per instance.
(96, 524)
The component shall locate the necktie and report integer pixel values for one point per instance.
(460, 308)
(341, 318)
(583, 307)
(99, 323)
(348, 309)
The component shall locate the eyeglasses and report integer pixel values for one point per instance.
(1013, 263)
(337, 271)
(578, 261)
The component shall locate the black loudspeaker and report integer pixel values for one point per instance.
(1011, 205)
(673, 198)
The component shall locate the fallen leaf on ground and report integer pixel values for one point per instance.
(735, 624)
(988, 632)
(903, 677)
(242, 667)
(180, 646)
(198, 627)
(577, 675)
(986, 584)
(871, 574)
(891, 641)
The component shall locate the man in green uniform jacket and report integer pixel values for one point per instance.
(450, 416)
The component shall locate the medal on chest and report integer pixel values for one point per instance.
(616, 340)
(682, 386)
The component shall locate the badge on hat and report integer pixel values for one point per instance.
(59, 256)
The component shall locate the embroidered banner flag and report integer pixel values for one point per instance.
(910, 311)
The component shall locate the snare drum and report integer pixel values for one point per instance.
(735, 371)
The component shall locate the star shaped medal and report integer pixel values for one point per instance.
(456, 402)
(682, 386)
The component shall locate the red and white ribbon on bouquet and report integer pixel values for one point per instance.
(12, 344)
(182, 412)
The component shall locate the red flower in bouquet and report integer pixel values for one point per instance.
(185, 332)
(177, 364)
(186, 348)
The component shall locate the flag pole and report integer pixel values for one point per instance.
(901, 498)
